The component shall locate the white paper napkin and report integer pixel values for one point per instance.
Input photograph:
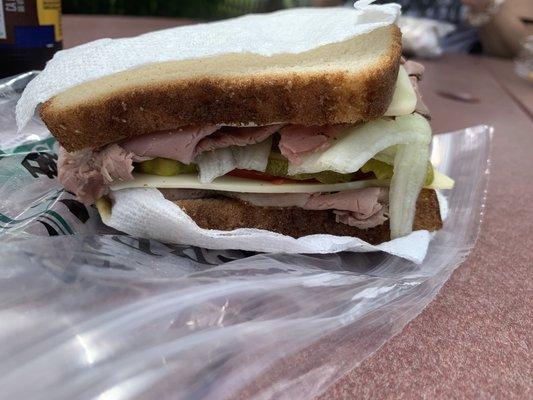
(289, 31)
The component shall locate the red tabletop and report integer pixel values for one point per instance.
(475, 339)
(520, 90)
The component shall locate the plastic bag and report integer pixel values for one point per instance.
(421, 36)
(87, 312)
(524, 61)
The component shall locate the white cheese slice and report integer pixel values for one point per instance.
(441, 181)
(234, 184)
(404, 97)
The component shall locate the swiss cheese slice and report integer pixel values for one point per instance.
(242, 185)
(404, 97)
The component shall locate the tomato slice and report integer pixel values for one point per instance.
(247, 174)
(261, 176)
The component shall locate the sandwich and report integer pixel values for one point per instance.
(333, 140)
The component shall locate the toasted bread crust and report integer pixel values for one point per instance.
(308, 98)
(229, 214)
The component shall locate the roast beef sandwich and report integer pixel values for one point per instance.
(334, 140)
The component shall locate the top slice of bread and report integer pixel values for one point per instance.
(343, 82)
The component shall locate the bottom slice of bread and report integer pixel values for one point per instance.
(228, 214)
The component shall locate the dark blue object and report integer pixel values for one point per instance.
(27, 37)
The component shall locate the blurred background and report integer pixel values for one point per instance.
(496, 27)
(31, 30)
(202, 9)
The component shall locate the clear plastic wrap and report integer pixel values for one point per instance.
(87, 312)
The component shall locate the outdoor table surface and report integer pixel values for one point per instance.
(520, 90)
(475, 339)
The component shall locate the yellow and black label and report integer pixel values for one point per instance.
(30, 23)
(49, 13)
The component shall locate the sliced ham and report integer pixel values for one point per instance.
(186, 143)
(298, 139)
(420, 107)
(349, 218)
(88, 173)
(362, 208)
(414, 69)
(363, 203)
(236, 136)
(177, 144)
(415, 72)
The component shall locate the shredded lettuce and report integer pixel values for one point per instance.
(254, 156)
(213, 164)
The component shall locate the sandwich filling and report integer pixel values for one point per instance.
(365, 173)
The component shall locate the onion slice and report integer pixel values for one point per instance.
(410, 168)
(356, 145)
(387, 155)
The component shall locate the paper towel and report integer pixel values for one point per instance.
(144, 212)
(289, 31)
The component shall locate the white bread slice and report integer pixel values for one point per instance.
(343, 82)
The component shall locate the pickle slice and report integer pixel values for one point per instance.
(325, 177)
(165, 167)
(383, 170)
(429, 174)
(380, 169)
(277, 166)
